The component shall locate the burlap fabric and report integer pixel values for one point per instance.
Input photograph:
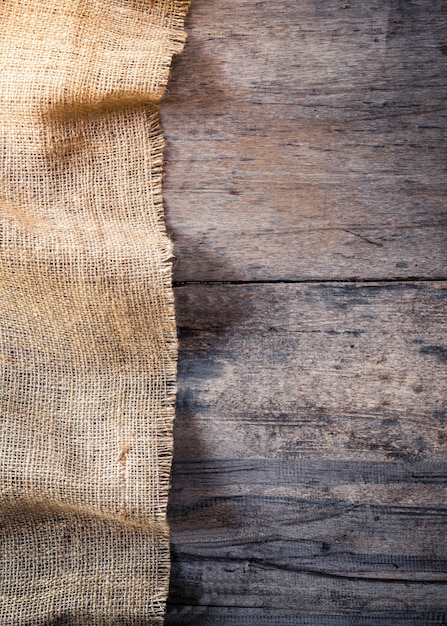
(88, 340)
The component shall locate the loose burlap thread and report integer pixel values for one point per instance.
(87, 330)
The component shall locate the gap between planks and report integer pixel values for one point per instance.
(314, 281)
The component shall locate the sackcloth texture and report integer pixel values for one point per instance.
(87, 330)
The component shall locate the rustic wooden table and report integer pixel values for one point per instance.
(305, 191)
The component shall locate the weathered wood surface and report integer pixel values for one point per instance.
(305, 151)
(314, 357)
(306, 140)
(310, 474)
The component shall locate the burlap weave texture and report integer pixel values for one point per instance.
(87, 329)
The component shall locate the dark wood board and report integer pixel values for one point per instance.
(307, 141)
(310, 474)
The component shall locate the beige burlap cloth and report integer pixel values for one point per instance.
(87, 331)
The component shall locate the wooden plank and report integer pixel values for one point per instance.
(328, 371)
(217, 616)
(307, 141)
(310, 478)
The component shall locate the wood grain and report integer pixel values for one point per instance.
(310, 477)
(305, 182)
(345, 371)
(306, 141)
